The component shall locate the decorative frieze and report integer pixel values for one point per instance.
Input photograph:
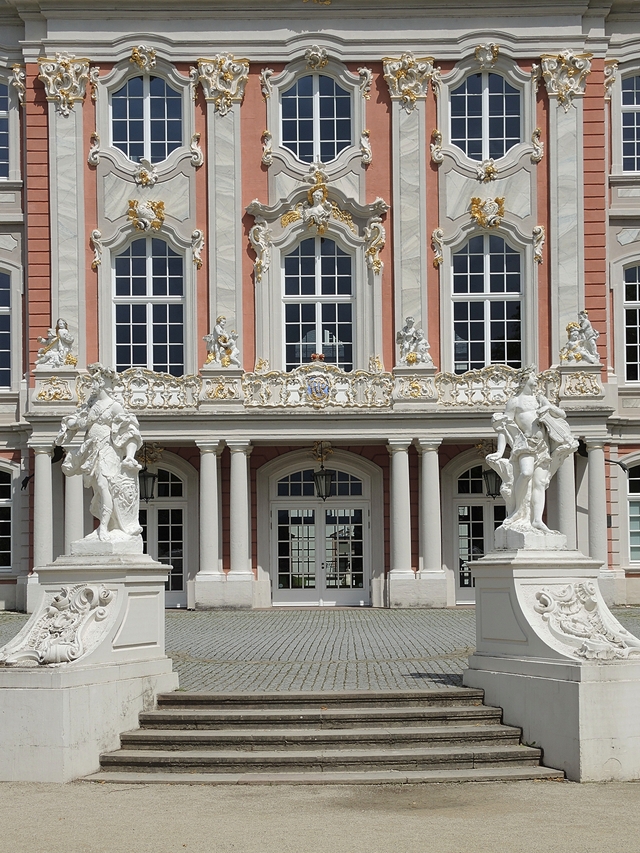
(260, 239)
(316, 57)
(53, 390)
(487, 212)
(197, 157)
(223, 80)
(538, 146)
(65, 80)
(366, 79)
(144, 57)
(564, 75)
(490, 387)
(146, 215)
(582, 384)
(416, 388)
(197, 245)
(610, 74)
(139, 388)
(222, 388)
(365, 148)
(18, 81)
(486, 54)
(374, 236)
(539, 236)
(408, 78)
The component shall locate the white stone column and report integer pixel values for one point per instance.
(430, 522)
(73, 510)
(401, 579)
(239, 541)
(566, 501)
(42, 508)
(598, 549)
(209, 515)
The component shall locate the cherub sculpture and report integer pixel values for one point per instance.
(56, 347)
(222, 346)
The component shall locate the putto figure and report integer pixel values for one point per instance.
(106, 458)
(56, 347)
(540, 440)
(222, 346)
(582, 342)
(414, 347)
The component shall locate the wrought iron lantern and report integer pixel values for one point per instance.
(322, 479)
(146, 479)
(492, 483)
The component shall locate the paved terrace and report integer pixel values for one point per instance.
(319, 649)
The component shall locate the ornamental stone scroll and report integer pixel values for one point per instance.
(65, 80)
(223, 80)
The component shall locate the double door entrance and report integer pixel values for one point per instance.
(477, 521)
(320, 553)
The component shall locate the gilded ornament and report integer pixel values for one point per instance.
(437, 155)
(408, 78)
(343, 216)
(55, 390)
(146, 215)
(223, 80)
(487, 171)
(65, 80)
(375, 364)
(538, 146)
(146, 175)
(143, 57)
(222, 390)
(262, 365)
(437, 238)
(150, 453)
(141, 389)
(487, 212)
(489, 387)
(260, 239)
(18, 81)
(289, 217)
(486, 54)
(316, 57)
(565, 75)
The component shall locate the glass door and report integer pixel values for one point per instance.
(476, 523)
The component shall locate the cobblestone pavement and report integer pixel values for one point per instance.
(319, 649)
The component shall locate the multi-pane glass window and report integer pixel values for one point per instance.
(4, 130)
(149, 307)
(631, 124)
(316, 119)
(487, 308)
(471, 482)
(318, 304)
(634, 513)
(632, 323)
(5, 519)
(5, 330)
(300, 484)
(163, 528)
(485, 116)
(146, 119)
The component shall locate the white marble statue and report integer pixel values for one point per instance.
(106, 458)
(540, 439)
(222, 346)
(56, 347)
(414, 347)
(318, 211)
(581, 345)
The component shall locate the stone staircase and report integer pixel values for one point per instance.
(360, 737)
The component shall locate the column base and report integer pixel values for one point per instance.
(426, 589)
(234, 591)
(613, 586)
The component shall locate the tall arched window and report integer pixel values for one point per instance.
(5, 520)
(632, 323)
(4, 130)
(149, 307)
(5, 330)
(486, 116)
(631, 124)
(316, 119)
(146, 119)
(487, 304)
(318, 304)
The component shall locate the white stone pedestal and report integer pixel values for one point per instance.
(551, 654)
(86, 663)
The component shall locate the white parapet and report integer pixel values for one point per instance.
(552, 655)
(87, 662)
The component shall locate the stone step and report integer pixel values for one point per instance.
(293, 738)
(332, 777)
(446, 696)
(319, 760)
(317, 717)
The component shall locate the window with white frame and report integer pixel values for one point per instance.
(487, 304)
(486, 116)
(634, 513)
(149, 307)
(631, 124)
(318, 304)
(163, 523)
(5, 330)
(632, 323)
(6, 487)
(4, 130)
(146, 119)
(316, 119)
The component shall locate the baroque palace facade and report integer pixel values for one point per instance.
(308, 233)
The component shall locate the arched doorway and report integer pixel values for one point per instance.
(321, 553)
(169, 529)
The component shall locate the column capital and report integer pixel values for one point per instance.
(42, 448)
(209, 446)
(398, 446)
(596, 443)
(239, 446)
(428, 443)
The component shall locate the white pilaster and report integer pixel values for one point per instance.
(432, 580)
(42, 508)
(597, 503)
(401, 574)
(566, 501)
(239, 542)
(209, 515)
(73, 511)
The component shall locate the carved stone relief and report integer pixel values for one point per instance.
(265, 82)
(408, 78)
(197, 245)
(54, 390)
(487, 212)
(538, 146)
(365, 148)
(260, 238)
(93, 157)
(267, 148)
(144, 57)
(375, 236)
(18, 81)
(65, 80)
(366, 79)
(610, 74)
(146, 215)
(487, 171)
(96, 243)
(564, 75)
(539, 235)
(146, 174)
(223, 80)
(197, 157)
(581, 343)
(486, 54)
(316, 57)
(56, 347)
(437, 238)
